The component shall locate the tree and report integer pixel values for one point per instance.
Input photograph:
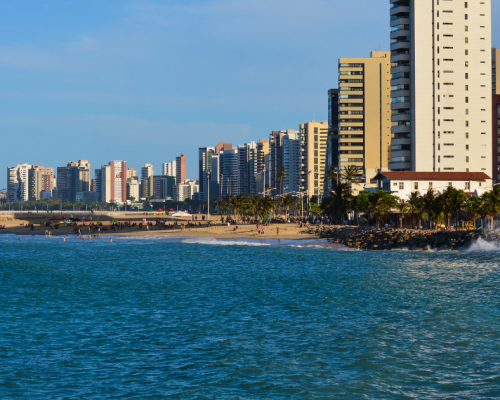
(452, 201)
(352, 174)
(287, 202)
(281, 177)
(403, 209)
(492, 204)
(415, 204)
(380, 204)
(338, 204)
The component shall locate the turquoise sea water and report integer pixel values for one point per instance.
(206, 319)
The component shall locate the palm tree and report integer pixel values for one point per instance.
(281, 177)
(380, 204)
(416, 205)
(338, 204)
(492, 200)
(403, 208)
(471, 208)
(452, 201)
(287, 202)
(351, 174)
(332, 175)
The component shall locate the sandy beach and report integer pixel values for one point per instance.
(286, 231)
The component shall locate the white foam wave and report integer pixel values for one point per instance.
(483, 245)
(218, 242)
(150, 237)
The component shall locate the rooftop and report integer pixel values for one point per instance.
(432, 176)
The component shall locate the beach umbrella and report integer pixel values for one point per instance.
(114, 221)
(171, 209)
(160, 210)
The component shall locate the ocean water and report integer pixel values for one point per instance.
(206, 319)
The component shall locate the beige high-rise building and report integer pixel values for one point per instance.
(18, 183)
(441, 86)
(314, 137)
(40, 179)
(495, 59)
(365, 113)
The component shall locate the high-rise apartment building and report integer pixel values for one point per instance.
(292, 146)
(495, 79)
(495, 58)
(18, 183)
(204, 168)
(72, 179)
(333, 142)
(133, 189)
(131, 173)
(111, 182)
(276, 158)
(441, 85)
(314, 136)
(180, 174)
(170, 169)
(229, 173)
(40, 179)
(147, 171)
(247, 168)
(364, 122)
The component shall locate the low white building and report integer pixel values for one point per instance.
(404, 183)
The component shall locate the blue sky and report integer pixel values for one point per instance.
(143, 81)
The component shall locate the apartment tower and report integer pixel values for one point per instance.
(18, 182)
(365, 113)
(441, 85)
(314, 136)
(180, 174)
(495, 58)
(111, 182)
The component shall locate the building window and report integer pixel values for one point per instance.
(450, 184)
(467, 185)
(401, 185)
(430, 185)
(415, 185)
(467, 159)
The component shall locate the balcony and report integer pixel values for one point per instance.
(400, 10)
(400, 166)
(404, 44)
(400, 129)
(403, 20)
(401, 106)
(400, 117)
(400, 33)
(401, 141)
(400, 58)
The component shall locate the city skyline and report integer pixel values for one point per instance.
(101, 88)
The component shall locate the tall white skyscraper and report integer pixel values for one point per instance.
(441, 85)
(147, 171)
(169, 169)
(18, 182)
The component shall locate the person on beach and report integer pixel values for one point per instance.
(278, 231)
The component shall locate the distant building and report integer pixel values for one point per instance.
(133, 189)
(204, 168)
(163, 186)
(185, 190)
(332, 159)
(111, 182)
(314, 136)
(73, 178)
(180, 175)
(496, 115)
(18, 183)
(229, 174)
(170, 169)
(147, 171)
(40, 179)
(247, 168)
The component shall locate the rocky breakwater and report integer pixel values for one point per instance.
(411, 239)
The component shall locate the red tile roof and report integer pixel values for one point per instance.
(432, 176)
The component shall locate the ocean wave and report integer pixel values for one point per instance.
(222, 242)
(484, 246)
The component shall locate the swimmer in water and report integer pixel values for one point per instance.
(64, 239)
(110, 240)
